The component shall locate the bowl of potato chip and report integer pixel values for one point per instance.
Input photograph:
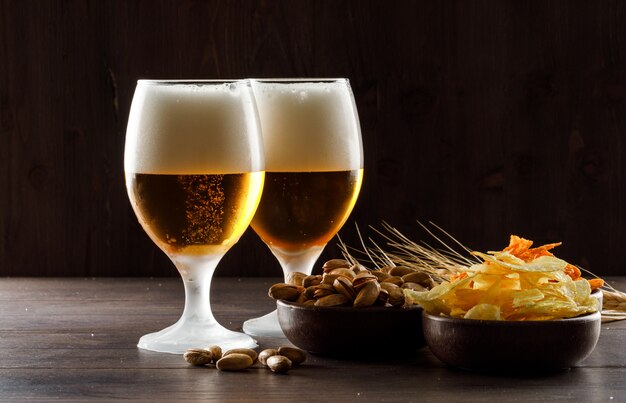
(520, 308)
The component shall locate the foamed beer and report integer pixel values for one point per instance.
(194, 175)
(314, 162)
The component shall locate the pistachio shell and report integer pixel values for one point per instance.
(332, 300)
(295, 355)
(344, 286)
(342, 271)
(416, 277)
(394, 280)
(401, 271)
(216, 353)
(311, 280)
(323, 290)
(197, 356)
(265, 354)
(295, 278)
(279, 364)
(329, 278)
(234, 362)
(388, 286)
(367, 295)
(380, 275)
(334, 264)
(396, 297)
(248, 351)
(285, 291)
(362, 278)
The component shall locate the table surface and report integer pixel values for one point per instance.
(71, 338)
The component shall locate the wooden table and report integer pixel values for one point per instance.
(67, 339)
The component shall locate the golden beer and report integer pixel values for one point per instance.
(195, 214)
(303, 209)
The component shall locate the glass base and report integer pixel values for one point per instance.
(265, 326)
(177, 338)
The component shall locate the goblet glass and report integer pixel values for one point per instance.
(314, 170)
(194, 169)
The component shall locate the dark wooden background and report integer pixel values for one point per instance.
(486, 117)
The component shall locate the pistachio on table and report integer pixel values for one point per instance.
(278, 360)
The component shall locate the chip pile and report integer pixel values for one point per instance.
(518, 283)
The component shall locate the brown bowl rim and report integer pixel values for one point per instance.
(587, 317)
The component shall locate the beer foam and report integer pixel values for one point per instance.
(193, 128)
(309, 126)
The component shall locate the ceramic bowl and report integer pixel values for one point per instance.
(527, 346)
(348, 331)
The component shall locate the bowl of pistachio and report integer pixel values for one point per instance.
(349, 308)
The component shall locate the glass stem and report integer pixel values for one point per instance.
(301, 261)
(197, 275)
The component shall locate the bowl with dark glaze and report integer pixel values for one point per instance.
(512, 346)
(347, 331)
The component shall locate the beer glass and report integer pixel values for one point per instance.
(314, 170)
(194, 168)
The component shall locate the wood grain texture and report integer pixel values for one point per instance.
(486, 117)
(74, 339)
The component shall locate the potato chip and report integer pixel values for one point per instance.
(518, 283)
(484, 312)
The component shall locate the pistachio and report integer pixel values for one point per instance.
(301, 298)
(334, 264)
(248, 351)
(359, 268)
(394, 280)
(329, 278)
(385, 269)
(284, 291)
(401, 271)
(332, 300)
(309, 292)
(380, 275)
(388, 286)
(323, 290)
(367, 295)
(344, 286)
(279, 364)
(216, 353)
(295, 355)
(309, 302)
(234, 362)
(265, 354)
(362, 278)
(342, 271)
(311, 280)
(416, 277)
(396, 297)
(197, 356)
(295, 278)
